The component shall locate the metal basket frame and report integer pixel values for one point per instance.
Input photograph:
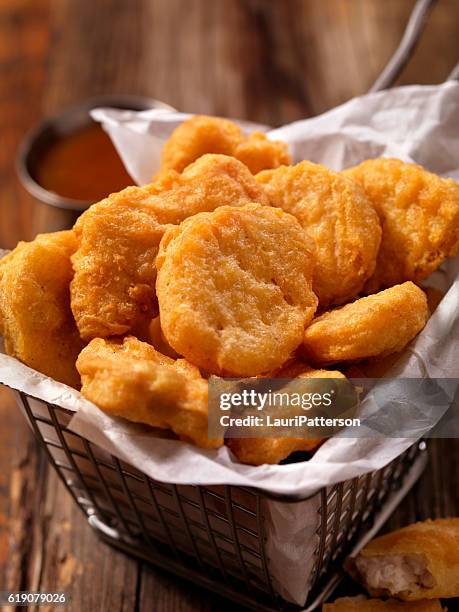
(213, 535)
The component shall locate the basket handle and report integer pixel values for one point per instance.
(404, 51)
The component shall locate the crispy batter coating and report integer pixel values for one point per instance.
(338, 217)
(202, 134)
(376, 325)
(261, 451)
(210, 182)
(362, 604)
(419, 213)
(420, 561)
(113, 291)
(35, 317)
(258, 451)
(234, 289)
(259, 153)
(130, 379)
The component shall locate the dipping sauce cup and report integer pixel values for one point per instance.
(68, 162)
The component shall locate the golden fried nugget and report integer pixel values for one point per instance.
(339, 218)
(259, 153)
(376, 325)
(202, 134)
(234, 289)
(296, 368)
(113, 291)
(419, 213)
(130, 379)
(258, 451)
(35, 317)
(362, 604)
(261, 451)
(420, 561)
(210, 182)
(378, 367)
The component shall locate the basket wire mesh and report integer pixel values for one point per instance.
(215, 535)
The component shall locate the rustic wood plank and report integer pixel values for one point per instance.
(170, 594)
(23, 483)
(74, 560)
(24, 41)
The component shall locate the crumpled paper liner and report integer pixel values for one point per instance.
(413, 123)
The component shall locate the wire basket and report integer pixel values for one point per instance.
(215, 535)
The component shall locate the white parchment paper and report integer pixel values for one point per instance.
(413, 123)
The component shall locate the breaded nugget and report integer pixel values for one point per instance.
(210, 182)
(234, 289)
(362, 604)
(35, 317)
(202, 134)
(272, 450)
(261, 451)
(259, 153)
(128, 378)
(420, 561)
(113, 291)
(419, 213)
(296, 368)
(338, 217)
(376, 325)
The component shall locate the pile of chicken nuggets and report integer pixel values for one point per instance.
(233, 262)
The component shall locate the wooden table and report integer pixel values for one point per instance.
(265, 60)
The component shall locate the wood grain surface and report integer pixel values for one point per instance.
(270, 61)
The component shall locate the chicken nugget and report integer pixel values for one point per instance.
(202, 134)
(337, 215)
(113, 291)
(259, 153)
(362, 604)
(376, 325)
(419, 213)
(130, 379)
(261, 451)
(35, 317)
(417, 562)
(234, 289)
(210, 182)
(258, 451)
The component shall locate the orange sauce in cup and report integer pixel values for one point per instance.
(83, 166)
